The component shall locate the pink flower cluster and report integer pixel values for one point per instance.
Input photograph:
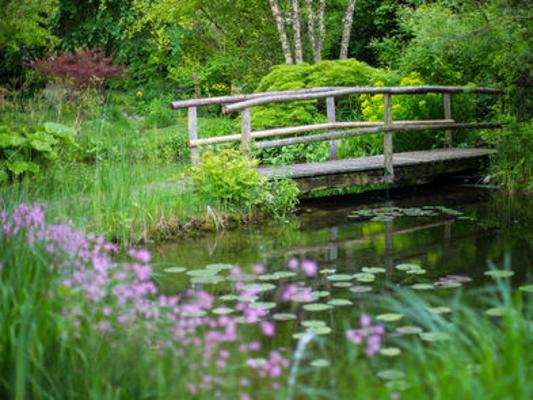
(368, 334)
(308, 267)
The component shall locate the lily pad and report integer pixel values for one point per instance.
(340, 277)
(526, 288)
(439, 310)
(398, 385)
(340, 302)
(229, 297)
(222, 311)
(374, 270)
(390, 351)
(201, 272)
(391, 374)
(496, 311)
(219, 267)
(195, 313)
(422, 286)
(259, 287)
(175, 270)
(389, 317)
(284, 274)
(416, 271)
(320, 363)
(407, 267)
(434, 336)
(499, 273)
(342, 284)
(364, 277)
(263, 305)
(207, 280)
(320, 293)
(409, 330)
(327, 271)
(319, 330)
(313, 322)
(361, 289)
(316, 307)
(284, 317)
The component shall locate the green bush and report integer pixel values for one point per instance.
(229, 180)
(511, 166)
(24, 150)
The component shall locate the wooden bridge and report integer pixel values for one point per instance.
(410, 167)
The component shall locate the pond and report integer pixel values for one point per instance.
(342, 258)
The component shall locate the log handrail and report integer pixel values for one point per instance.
(391, 90)
(334, 130)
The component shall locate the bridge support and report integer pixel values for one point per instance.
(332, 118)
(387, 139)
(246, 132)
(193, 133)
(446, 98)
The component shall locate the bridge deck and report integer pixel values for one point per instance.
(415, 165)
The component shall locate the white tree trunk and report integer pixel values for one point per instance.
(280, 24)
(298, 52)
(321, 28)
(311, 30)
(347, 29)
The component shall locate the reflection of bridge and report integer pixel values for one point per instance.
(411, 167)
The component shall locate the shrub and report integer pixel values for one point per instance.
(24, 150)
(229, 180)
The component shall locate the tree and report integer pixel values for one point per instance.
(347, 29)
(280, 25)
(317, 43)
(296, 26)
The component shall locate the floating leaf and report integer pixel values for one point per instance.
(313, 322)
(499, 273)
(390, 317)
(340, 277)
(284, 274)
(361, 289)
(407, 267)
(526, 288)
(222, 311)
(434, 336)
(496, 311)
(259, 287)
(342, 284)
(416, 271)
(391, 374)
(409, 330)
(364, 277)
(340, 302)
(374, 270)
(298, 335)
(229, 297)
(284, 316)
(390, 351)
(268, 277)
(320, 363)
(219, 267)
(422, 286)
(175, 270)
(320, 293)
(201, 272)
(207, 280)
(194, 313)
(327, 271)
(316, 307)
(263, 305)
(398, 385)
(439, 310)
(319, 330)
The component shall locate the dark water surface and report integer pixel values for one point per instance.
(324, 232)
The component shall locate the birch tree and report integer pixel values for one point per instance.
(347, 29)
(297, 30)
(280, 24)
(317, 43)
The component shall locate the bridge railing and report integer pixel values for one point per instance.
(335, 130)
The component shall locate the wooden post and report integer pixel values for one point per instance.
(330, 105)
(387, 139)
(246, 132)
(448, 139)
(193, 133)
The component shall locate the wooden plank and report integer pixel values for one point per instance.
(304, 128)
(395, 127)
(246, 130)
(410, 168)
(192, 122)
(287, 98)
(446, 98)
(387, 139)
(330, 107)
(220, 100)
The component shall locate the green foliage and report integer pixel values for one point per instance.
(230, 180)
(459, 42)
(511, 166)
(24, 150)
